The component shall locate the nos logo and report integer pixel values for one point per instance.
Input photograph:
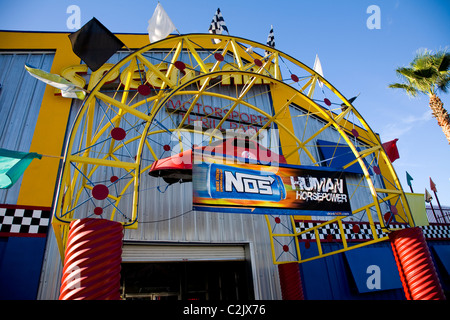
(248, 183)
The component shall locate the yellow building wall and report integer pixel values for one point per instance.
(39, 180)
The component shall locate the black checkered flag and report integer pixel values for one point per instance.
(218, 25)
(270, 40)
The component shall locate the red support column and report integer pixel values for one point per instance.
(290, 281)
(415, 265)
(92, 260)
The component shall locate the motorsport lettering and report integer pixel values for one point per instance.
(323, 189)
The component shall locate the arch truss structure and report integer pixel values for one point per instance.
(188, 90)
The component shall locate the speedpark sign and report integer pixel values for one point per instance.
(259, 189)
(78, 75)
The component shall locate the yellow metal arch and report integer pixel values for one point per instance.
(101, 112)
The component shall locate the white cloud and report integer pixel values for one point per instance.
(402, 126)
(424, 117)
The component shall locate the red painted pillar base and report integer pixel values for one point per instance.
(92, 260)
(415, 265)
(290, 281)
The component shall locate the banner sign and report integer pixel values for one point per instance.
(259, 189)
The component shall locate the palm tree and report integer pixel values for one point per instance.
(428, 74)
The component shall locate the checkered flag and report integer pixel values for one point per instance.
(270, 40)
(217, 25)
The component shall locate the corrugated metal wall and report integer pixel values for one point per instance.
(20, 101)
(435, 215)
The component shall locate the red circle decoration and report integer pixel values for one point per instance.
(180, 65)
(258, 62)
(113, 179)
(285, 248)
(98, 210)
(329, 237)
(327, 101)
(387, 216)
(376, 169)
(355, 133)
(307, 245)
(277, 220)
(100, 192)
(218, 57)
(166, 147)
(118, 134)
(294, 78)
(356, 228)
(144, 90)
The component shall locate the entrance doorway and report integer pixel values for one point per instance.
(194, 280)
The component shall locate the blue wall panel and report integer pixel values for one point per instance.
(374, 269)
(438, 256)
(20, 267)
(331, 278)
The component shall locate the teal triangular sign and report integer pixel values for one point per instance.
(408, 178)
(12, 166)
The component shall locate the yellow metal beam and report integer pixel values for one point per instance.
(122, 106)
(362, 155)
(103, 162)
(155, 70)
(196, 55)
(237, 54)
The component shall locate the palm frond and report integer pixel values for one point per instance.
(410, 90)
(422, 60)
(420, 80)
(424, 73)
(444, 65)
(405, 73)
(427, 73)
(443, 83)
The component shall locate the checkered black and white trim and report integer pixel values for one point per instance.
(270, 40)
(217, 25)
(437, 232)
(24, 221)
(363, 232)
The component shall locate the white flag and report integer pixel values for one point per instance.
(428, 196)
(318, 68)
(160, 25)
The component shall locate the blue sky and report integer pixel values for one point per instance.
(355, 59)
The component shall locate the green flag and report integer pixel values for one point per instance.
(408, 179)
(68, 89)
(12, 166)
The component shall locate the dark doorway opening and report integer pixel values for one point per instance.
(205, 280)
